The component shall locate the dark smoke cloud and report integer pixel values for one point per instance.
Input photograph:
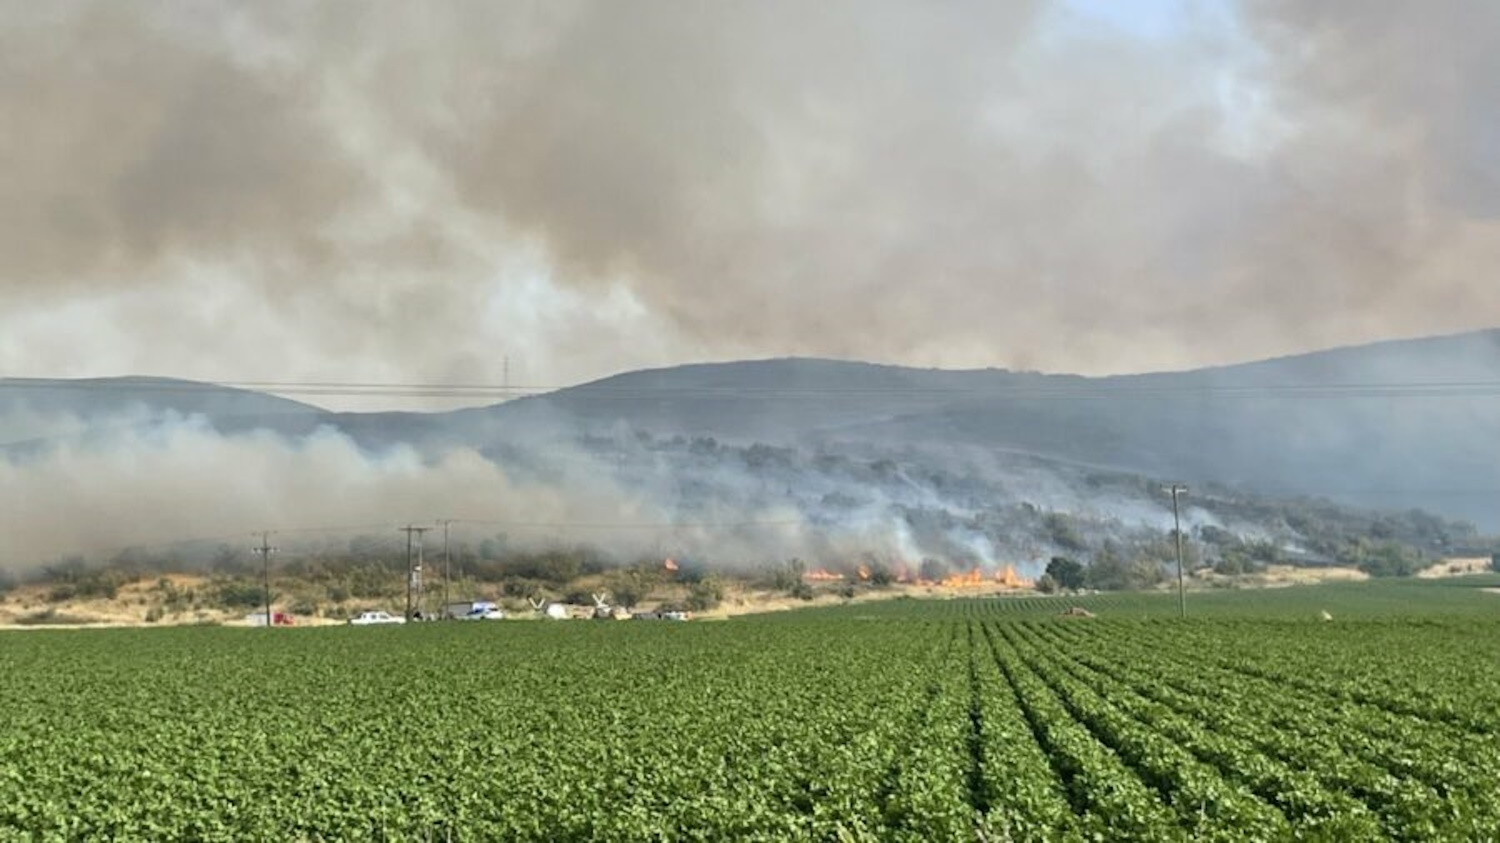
(402, 192)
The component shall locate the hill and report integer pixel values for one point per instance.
(37, 411)
(1400, 424)
(1335, 457)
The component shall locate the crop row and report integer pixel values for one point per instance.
(943, 723)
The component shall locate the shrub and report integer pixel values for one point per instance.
(240, 594)
(788, 577)
(1229, 565)
(705, 594)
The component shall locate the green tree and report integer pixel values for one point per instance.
(1389, 559)
(1066, 573)
(1113, 570)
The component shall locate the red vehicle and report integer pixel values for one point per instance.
(277, 619)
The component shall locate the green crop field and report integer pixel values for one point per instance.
(966, 720)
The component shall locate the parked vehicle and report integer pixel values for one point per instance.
(474, 610)
(373, 618)
(663, 615)
(484, 610)
(277, 619)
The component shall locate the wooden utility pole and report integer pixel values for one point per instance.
(1176, 490)
(412, 573)
(446, 522)
(265, 550)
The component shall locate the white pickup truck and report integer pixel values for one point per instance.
(373, 618)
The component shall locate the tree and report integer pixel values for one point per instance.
(1046, 584)
(1113, 571)
(932, 569)
(1109, 571)
(1066, 573)
(1389, 559)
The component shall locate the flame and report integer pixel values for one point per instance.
(973, 578)
(822, 575)
(864, 572)
(1010, 579)
(669, 565)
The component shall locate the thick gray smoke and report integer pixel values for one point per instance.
(406, 192)
(125, 484)
(173, 487)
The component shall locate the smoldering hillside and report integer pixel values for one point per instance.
(1395, 425)
(748, 464)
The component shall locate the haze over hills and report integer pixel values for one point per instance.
(846, 457)
(1398, 424)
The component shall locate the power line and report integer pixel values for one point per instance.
(637, 525)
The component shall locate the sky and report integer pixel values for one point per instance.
(418, 193)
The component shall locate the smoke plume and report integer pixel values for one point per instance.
(287, 190)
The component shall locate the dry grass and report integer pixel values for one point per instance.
(1457, 567)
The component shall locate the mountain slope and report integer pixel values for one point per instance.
(92, 398)
(1398, 424)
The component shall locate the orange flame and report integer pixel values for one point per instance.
(973, 578)
(822, 575)
(864, 572)
(1010, 579)
(669, 565)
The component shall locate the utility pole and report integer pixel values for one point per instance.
(1178, 489)
(446, 522)
(412, 574)
(265, 550)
